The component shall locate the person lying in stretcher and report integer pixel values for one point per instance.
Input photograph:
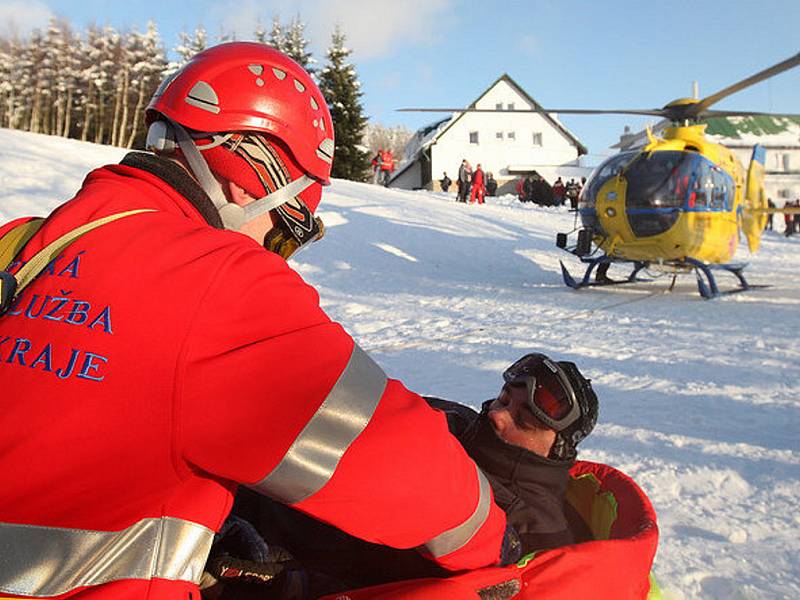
(525, 442)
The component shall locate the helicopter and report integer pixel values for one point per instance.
(677, 205)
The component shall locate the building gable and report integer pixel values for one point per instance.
(505, 94)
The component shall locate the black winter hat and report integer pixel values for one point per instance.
(564, 447)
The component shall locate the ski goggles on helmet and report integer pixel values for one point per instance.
(295, 228)
(551, 397)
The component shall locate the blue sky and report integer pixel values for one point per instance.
(568, 53)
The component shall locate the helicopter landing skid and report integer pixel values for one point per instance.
(601, 279)
(708, 288)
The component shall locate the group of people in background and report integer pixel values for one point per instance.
(791, 221)
(382, 167)
(534, 188)
(472, 185)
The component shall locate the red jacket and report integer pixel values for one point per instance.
(387, 161)
(477, 178)
(158, 363)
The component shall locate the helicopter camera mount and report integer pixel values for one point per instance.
(583, 246)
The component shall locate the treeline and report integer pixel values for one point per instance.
(90, 85)
(94, 85)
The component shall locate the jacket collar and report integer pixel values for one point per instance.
(176, 177)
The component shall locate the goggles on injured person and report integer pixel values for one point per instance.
(551, 397)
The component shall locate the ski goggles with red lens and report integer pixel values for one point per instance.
(551, 397)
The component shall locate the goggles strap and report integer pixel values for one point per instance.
(277, 198)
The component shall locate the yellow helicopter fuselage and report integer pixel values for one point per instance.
(681, 196)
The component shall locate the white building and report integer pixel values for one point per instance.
(507, 144)
(780, 137)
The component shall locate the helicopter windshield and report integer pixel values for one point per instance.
(657, 186)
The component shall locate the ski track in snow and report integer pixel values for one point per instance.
(698, 398)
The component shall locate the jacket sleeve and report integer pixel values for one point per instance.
(276, 396)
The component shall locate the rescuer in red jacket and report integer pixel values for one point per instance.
(163, 359)
(478, 189)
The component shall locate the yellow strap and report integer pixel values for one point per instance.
(42, 258)
(14, 240)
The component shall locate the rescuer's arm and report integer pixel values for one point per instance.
(278, 397)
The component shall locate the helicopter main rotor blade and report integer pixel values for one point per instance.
(745, 113)
(652, 112)
(695, 109)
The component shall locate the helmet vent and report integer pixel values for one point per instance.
(299, 86)
(279, 74)
(257, 70)
(204, 97)
(314, 104)
(325, 150)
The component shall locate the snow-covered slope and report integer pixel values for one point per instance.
(699, 399)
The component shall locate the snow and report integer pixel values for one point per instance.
(699, 398)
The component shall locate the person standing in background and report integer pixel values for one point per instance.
(478, 189)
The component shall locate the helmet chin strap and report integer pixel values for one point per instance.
(233, 216)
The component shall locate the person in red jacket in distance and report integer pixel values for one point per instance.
(478, 189)
(177, 355)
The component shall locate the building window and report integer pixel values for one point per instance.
(498, 106)
(787, 162)
(499, 135)
(473, 137)
(537, 138)
(510, 106)
(512, 135)
(783, 193)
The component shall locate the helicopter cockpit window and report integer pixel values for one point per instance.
(659, 179)
(658, 184)
(610, 168)
(605, 171)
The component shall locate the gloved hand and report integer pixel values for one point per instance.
(241, 566)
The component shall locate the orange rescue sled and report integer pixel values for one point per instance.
(616, 565)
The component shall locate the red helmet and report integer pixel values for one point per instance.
(248, 86)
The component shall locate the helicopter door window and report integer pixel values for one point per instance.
(723, 190)
(697, 197)
(610, 168)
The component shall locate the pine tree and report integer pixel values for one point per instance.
(187, 47)
(260, 34)
(341, 88)
(277, 38)
(148, 63)
(296, 44)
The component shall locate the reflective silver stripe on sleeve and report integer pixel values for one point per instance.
(459, 536)
(50, 561)
(313, 457)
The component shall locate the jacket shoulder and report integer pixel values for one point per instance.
(459, 416)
